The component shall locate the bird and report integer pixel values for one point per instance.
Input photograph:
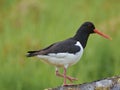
(68, 52)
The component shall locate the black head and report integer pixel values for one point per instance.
(87, 27)
(83, 33)
(85, 30)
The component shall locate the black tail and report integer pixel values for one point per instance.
(31, 53)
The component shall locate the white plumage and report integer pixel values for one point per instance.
(62, 59)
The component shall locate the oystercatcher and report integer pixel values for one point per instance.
(68, 52)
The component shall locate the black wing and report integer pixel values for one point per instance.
(34, 53)
(59, 47)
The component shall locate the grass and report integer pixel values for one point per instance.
(36, 24)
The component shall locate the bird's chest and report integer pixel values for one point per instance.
(74, 58)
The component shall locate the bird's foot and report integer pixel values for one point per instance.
(71, 79)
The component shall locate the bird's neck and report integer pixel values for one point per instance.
(82, 37)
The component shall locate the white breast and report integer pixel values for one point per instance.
(61, 59)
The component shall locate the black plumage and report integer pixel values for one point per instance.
(67, 46)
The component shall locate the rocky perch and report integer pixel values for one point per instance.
(111, 83)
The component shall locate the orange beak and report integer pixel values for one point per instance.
(102, 34)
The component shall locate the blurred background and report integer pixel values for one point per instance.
(34, 24)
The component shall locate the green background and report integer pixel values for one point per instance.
(34, 24)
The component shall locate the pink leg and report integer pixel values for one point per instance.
(64, 77)
(71, 79)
